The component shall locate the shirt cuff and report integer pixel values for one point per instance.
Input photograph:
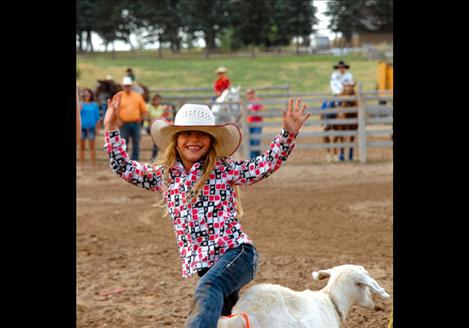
(287, 136)
(112, 140)
(111, 133)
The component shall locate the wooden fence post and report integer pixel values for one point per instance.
(245, 131)
(362, 142)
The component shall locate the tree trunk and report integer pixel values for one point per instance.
(113, 50)
(80, 42)
(209, 43)
(253, 51)
(298, 46)
(160, 49)
(89, 42)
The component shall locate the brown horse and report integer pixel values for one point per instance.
(349, 90)
(108, 88)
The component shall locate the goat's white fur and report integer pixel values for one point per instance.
(275, 306)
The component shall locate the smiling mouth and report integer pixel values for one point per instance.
(194, 148)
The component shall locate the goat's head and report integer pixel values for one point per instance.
(354, 281)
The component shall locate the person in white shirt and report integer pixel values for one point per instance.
(340, 77)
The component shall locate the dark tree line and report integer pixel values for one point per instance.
(348, 16)
(238, 23)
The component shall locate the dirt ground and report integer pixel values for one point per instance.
(330, 214)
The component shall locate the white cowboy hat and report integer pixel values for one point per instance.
(192, 117)
(221, 69)
(127, 80)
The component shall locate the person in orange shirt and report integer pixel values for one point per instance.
(222, 83)
(131, 114)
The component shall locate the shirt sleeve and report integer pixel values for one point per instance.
(143, 175)
(336, 85)
(247, 172)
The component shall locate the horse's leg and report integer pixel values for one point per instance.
(350, 151)
(341, 140)
(327, 140)
(334, 141)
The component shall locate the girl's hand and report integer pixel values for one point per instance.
(294, 118)
(111, 117)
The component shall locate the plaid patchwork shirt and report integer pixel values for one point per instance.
(208, 226)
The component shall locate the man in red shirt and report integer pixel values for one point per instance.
(222, 83)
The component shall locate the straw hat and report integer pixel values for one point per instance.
(127, 80)
(221, 69)
(192, 117)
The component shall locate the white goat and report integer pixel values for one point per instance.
(275, 306)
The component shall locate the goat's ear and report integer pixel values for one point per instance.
(321, 274)
(374, 286)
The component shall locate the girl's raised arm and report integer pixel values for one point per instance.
(143, 175)
(246, 172)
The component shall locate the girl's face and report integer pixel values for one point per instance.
(86, 95)
(192, 146)
(156, 101)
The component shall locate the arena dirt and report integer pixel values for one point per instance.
(305, 217)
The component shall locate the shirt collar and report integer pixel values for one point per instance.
(178, 166)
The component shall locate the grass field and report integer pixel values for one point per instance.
(306, 73)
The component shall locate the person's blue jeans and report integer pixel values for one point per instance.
(132, 130)
(236, 268)
(255, 130)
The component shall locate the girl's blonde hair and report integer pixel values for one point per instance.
(167, 159)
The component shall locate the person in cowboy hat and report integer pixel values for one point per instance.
(222, 83)
(131, 114)
(340, 77)
(199, 184)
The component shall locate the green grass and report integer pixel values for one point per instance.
(306, 73)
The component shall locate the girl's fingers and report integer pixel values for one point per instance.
(290, 104)
(297, 105)
(302, 111)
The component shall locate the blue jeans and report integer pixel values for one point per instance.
(255, 130)
(88, 133)
(236, 268)
(132, 130)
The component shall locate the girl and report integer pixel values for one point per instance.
(199, 184)
(89, 114)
